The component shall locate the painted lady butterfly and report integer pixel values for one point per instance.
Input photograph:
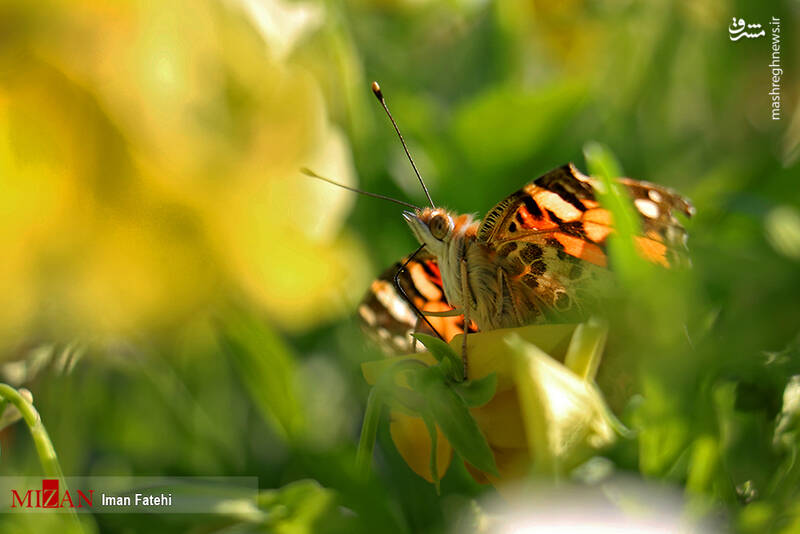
(538, 256)
(535, 258)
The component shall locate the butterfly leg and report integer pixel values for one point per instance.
(466, 299)
(502, 289)
(455, 312)
(410, 302)
(498, 303)
(414, 340)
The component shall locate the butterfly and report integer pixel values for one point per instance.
(537, 256)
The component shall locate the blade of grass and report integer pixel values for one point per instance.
(625, 259)
(267, 368)
(369, 430)
(41, 440)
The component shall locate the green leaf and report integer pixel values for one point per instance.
(704, 461)
(477, 392)
(444, 353)
(300, 506)
(452, 416)
(369, 430)
(663, 434)
(267, 368)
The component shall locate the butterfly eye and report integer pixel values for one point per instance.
(440, 226)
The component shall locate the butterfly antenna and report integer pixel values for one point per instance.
(376, 89)
(312, 174)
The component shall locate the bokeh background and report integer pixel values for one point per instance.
(180, 300)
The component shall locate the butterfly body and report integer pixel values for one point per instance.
(538, 256)
(509, 281)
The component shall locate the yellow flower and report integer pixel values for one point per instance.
(149, 163)
(546, 415)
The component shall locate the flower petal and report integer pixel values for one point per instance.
(565, 417)
(411, 438)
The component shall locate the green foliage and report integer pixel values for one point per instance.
(632, 268)
(449, 411)
(495, 129)
(451, 363)
(477, 392)
(700, 364)
(297, 508)
(439, 396)
(267, 368)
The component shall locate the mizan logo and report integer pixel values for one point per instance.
(50, 497)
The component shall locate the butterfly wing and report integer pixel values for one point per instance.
(550, 240)
(388, 318)
(561, 207)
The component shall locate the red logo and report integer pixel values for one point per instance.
(50, 497)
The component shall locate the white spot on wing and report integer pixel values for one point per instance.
(367, 314)
(647, 208)
(393, 302)
(554, 202)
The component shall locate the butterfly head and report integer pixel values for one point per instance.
(433, 227)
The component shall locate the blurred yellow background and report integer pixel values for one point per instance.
(149, 157)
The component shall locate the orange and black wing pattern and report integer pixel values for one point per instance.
(560, 209)
(389, 319)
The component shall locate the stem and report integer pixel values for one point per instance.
(44, 447)
(377, 397)
(3, 406)
(369, 430)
